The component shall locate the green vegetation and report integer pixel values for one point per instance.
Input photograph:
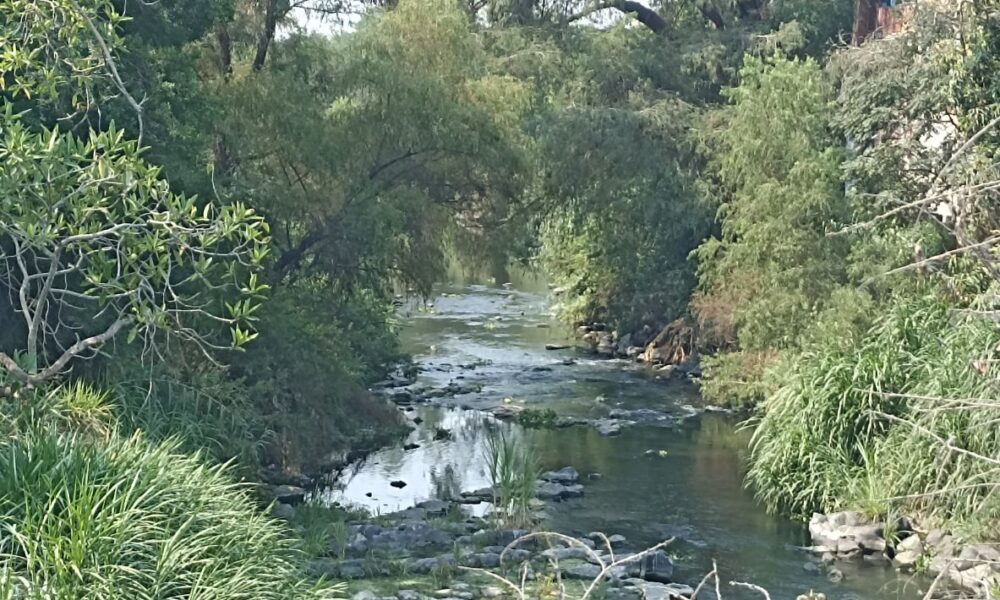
(537, 418)
(206, 214)
(513, 471)
(89, 513)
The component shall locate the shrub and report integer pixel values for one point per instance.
(86, 517)
(896, 419)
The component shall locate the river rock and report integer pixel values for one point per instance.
(623, 344)
(434, 508)
(280, 510)
(609, 427)
(661, 591)
(289, 494)
(911, 543)
(364, 595)
(564, 476)
(507, 412)
(843, 530)
(548, 490)
(585, 571)
(644, 416)
(424, 566)
(565, 553)
(418, 536)
(656, 566)
(351, 569)
(476, 496)
(907, 559)
(483, 560)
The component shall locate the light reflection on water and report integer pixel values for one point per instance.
(694, 493)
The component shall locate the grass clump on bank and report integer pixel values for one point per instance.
(894, 420)
(88, 513)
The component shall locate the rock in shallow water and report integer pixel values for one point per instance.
(547, 490)
(842, 531)
(564, 476)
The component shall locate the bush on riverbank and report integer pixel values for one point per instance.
(896, 420)
(87, 513)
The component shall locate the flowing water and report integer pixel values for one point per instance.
(495, 337)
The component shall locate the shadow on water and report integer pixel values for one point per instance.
(495, 337)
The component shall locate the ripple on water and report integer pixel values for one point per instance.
(689, 488)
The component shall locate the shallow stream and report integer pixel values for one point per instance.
(495, 337)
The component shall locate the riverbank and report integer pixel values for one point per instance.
(674, 471)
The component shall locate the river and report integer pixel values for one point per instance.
(689, 487)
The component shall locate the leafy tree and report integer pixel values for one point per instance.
(92, 241)
(778, 165)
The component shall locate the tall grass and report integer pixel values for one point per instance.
(513, 472)
(899, 418)
(87, 513)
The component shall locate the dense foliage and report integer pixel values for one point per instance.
(208, 212)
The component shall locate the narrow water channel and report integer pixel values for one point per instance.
(690, 487)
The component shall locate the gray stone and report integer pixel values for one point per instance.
(829, 531)
(974, 579)
(911, 543)
(434, 507)
(564, 476)
(906, 559)
(507, 536)
(409, 595)
(974, 555)
(936, 536)
(364, 595)
(352, 569)
(656, 566)
(663, 591)
(280, 510)
(419, 536)
(585, 571)
(623, 344)
(424, 566)
(485, 560)
(516, 556)
(323, 567)
(547, 490)
(609, 427)
(835, 575)
(289, 494)
(565, 553)
(617, 541)
(811, 568)
(492, 591)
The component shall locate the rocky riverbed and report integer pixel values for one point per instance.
(644, 461)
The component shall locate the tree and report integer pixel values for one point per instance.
(93, 243)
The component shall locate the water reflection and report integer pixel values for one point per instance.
(692, 490)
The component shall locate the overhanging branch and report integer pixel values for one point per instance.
(645, 15)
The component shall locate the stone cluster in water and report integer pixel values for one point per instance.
(853, 535)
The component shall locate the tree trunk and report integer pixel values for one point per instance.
(225, 50)
(267, 35)
(865, 20)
